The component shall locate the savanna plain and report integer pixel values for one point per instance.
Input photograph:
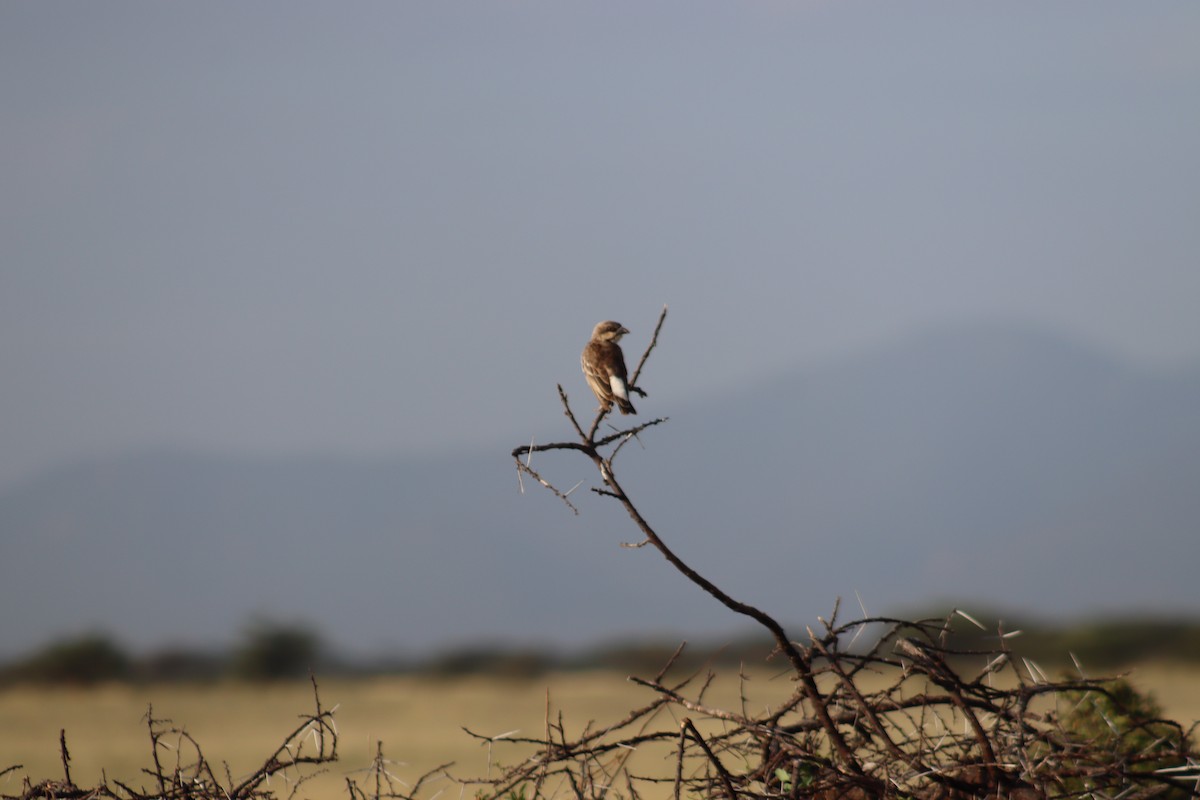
(419, 720)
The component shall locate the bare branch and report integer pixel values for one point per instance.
(562, 396)
(928, 734)
(522, 467)
(662, 317)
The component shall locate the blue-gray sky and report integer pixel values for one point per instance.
(377, 227)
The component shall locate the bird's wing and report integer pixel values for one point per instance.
(596, 371)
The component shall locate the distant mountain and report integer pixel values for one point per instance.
(974, 464)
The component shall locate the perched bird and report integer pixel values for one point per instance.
(604, 367)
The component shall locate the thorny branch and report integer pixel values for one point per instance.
(927, 733)
(911, 732)
(588, 445)
(312, 743)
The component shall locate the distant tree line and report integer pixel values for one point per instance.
(1096, 644)
(269, 651)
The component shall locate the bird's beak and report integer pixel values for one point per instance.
(623, 330)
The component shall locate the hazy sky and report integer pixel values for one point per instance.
(372, 227)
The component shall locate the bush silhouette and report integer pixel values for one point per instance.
(274, 651)
(85, 660)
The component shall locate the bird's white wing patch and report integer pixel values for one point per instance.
(618, 387)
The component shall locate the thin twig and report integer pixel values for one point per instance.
(662, 317)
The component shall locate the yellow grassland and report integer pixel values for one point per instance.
(419, 720)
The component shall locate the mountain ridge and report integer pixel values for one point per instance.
(986, 463)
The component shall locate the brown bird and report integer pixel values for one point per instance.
(604, 367)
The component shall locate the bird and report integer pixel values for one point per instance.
(604, 367)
